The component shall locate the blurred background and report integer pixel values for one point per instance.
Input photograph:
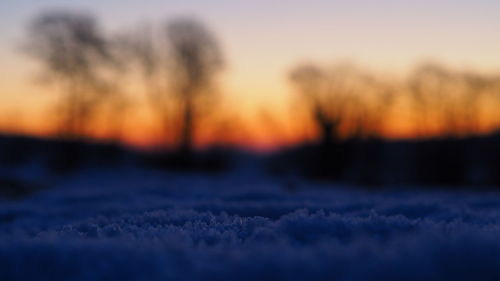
(369, 93)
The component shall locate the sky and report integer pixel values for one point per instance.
(263, 39)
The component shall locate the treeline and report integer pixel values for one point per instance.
(344, 101)
(176, 67)
(448, 112)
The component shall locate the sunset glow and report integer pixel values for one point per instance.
(261, 41)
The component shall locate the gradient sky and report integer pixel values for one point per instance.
(263, 39)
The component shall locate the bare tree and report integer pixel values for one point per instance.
(310, 81)
(343, 100)
(72, 50)
(178, 66)
(196, 59)
(447, 101)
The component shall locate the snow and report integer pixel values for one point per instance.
(132, 224)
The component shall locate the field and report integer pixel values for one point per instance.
(133, 224)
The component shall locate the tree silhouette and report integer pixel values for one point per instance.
(72, 50)
(178, 65)
(196, 59)
(343, 100)
(447, 101)
(345, 104)
(310, 81)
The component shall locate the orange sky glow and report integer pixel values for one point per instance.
(262, 41)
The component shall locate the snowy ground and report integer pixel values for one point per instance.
(143, 225)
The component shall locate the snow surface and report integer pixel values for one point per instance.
(142, 225)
